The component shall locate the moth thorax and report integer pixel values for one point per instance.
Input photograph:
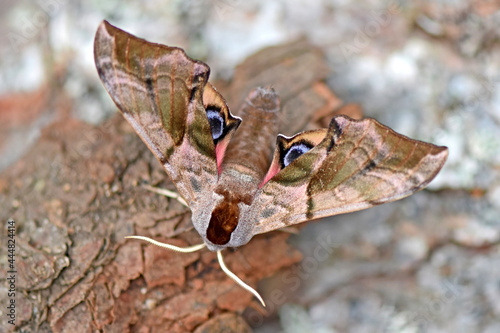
(223, 221)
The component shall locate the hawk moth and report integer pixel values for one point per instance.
(235, 176)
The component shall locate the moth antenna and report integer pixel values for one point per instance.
(167, 193)
(188, 249)
(195, 248)
(237, 279)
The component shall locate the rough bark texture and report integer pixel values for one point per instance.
(77, 194)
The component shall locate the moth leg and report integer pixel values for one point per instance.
(237, 279)
(188, 249)
(290, 230)
(167, 193)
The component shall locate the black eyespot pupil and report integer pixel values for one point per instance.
(216, 123)
(294, 152)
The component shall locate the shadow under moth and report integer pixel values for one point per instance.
(237, 179)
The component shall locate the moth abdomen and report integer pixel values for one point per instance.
(251, 147)
(264, 99)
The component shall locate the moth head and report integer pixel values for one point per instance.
(217, 219)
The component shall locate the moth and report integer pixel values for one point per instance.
(235, 176)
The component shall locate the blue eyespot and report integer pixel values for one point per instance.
(294, 152)
(216, 124)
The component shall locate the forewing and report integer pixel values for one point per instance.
(358, 164)
(160, 92)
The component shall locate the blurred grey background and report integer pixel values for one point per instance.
(428, 69)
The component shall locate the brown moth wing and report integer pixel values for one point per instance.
(358, 164)
(161, 92)
(294, 70)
